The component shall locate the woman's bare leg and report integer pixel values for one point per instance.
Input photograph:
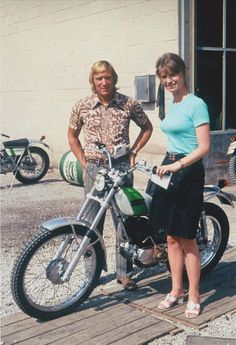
(176, 261)
(192, 262)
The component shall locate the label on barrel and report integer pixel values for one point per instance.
(70, 169)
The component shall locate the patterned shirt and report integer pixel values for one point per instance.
(106, 124)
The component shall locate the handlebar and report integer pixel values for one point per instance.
(5, 135)
(111, 160)
(141, 165)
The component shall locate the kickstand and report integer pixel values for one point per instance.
(13, 180)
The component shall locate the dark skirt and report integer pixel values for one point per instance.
(177, 209)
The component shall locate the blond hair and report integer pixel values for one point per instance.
(100, 67)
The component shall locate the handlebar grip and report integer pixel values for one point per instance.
(5, 135)
(154, 169)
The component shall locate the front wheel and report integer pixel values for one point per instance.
(33, 165)
(215, 224)
(36, 281)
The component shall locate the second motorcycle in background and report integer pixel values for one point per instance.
(27, 159)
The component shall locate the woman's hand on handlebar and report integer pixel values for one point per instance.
(169, 168)
(132, 158)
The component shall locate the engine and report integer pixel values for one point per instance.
(147, 246)
(6, 163)
(142, 234)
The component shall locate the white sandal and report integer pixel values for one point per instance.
(170, 301)
(192, 310)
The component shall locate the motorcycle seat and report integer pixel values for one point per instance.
(16, 143)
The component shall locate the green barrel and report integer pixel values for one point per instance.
(70, 169)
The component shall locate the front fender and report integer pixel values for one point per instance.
(211, 191)
(56, 223)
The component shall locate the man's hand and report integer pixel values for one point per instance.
(76, 147)
(132, 158)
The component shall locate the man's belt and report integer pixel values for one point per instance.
(97, 161)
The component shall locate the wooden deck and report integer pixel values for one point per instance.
(113, 316)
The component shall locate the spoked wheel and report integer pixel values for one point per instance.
(212, 248)
(232, 168)
(36, 282)
(33, 167)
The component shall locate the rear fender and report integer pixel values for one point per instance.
(37, 143)
(211, 191)
(232, 148)
(56, 223)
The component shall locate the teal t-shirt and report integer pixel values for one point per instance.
(181, 121)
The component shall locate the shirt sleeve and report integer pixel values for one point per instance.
(138, 115)
(75, 121)
(200, 115)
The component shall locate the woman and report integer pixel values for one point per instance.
(187, 129)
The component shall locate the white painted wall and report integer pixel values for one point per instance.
(48, 47)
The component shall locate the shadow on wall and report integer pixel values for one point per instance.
(217, 162)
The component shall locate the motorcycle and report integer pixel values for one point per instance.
(61, 266)
(26, 159)
(232, 161)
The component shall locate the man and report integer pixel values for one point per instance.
(105, 117)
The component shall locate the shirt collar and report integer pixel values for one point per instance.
(96, 102)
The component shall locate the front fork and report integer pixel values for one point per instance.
(83, 246)
(80, 251)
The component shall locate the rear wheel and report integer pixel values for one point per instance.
(232, 169)
(36, 282)
(33, 167)
(213, 247)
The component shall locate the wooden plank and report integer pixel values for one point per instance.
(68, 329)
(9, 319)
(209, 313)
(22, 321)
(22, 333)
(94, 327)
(120, 330)
(154, 311)
(152, 285)
(208, 300)
(57, 329)
(133, 333)
(91, 328)
(104, 316)
(150, 291)
(217, 296)
(198, 340)
(213, 311)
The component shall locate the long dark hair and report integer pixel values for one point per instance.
(172, 63)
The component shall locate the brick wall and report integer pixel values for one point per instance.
(48, 47)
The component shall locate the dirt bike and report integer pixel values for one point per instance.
(60, 267)
(232, 161)
(25, 158)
